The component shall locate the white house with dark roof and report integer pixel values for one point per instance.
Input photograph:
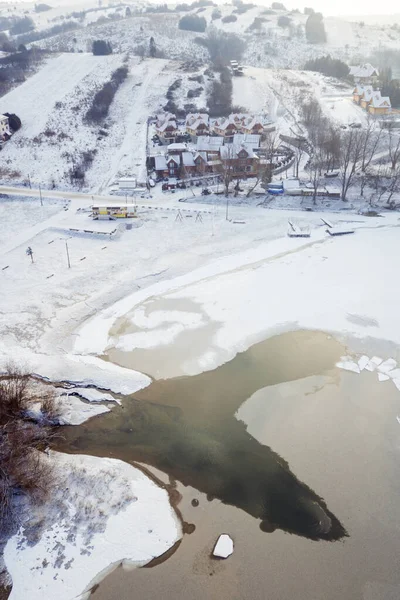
(364, 74)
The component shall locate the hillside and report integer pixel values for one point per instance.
(56, 137)
(267, 43)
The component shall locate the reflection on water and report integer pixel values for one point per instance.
(186, 427)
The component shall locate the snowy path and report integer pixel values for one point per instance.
(139, 95)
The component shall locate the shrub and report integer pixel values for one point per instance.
(14, 121)
(101, 48)
(222, 46)
(22, 26)
(26, 416)
(309, 11)
(229, 19)
(192, 23)
(34, 36)
(328, 66)
(216, 14)
(284, 21)
(103, 98)
(278, 6)
(315, 30)
(256, 24)
(42, 7)
(220, 95)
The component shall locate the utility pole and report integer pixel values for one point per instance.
(29, 181)
(66, 247)
(227, 207)
(40, 193)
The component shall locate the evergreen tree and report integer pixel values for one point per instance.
(152, 48)
(315, 30)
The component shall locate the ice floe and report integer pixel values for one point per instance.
(224, 546)
(385, 368)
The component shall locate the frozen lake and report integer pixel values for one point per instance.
(283, 451)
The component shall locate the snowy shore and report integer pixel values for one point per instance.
(101, 513)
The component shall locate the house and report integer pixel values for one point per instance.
(160, 166)
(188, 164)
(379, 105)
(197, 124)
(5, 132)
(167, 130)
(241, 157)
(253, 125)
(366, 97)
(358, 93)
(225, 128)
(364, 74)
(173, 166)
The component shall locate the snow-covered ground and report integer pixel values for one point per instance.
(101, 513)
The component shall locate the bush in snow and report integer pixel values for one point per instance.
(101, 48)
(14, 121)
(229, 19)
(331, 67)
(103, 98)
(284, 21)
(222, 46)
(26, 416)
(42, 7)
(216, 14)
(192, 23)
(278, 6)
(22, 26)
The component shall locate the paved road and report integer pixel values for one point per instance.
(158, 201)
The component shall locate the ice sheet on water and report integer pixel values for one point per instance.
(348, 364)
(363, 361)
(387, 365)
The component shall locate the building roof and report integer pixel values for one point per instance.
(166, 124)
(175, 160)
(232, 151)
(187, 159)
(209, 143)
(252, 139)
(379, 101)
(252, 122)
(193, 117)
(225, 124)
(195, 124)
(366, 70)
(202, 155)
(177, 147)
(160, 162)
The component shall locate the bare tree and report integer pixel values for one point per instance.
(23, 435)
(264, 165)
(394, 147)
(351, 151)
(226, 168)
(370, 141)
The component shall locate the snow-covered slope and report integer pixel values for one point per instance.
(55, 135)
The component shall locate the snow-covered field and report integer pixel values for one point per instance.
(101, 513)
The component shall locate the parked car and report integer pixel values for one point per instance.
(164, 187)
